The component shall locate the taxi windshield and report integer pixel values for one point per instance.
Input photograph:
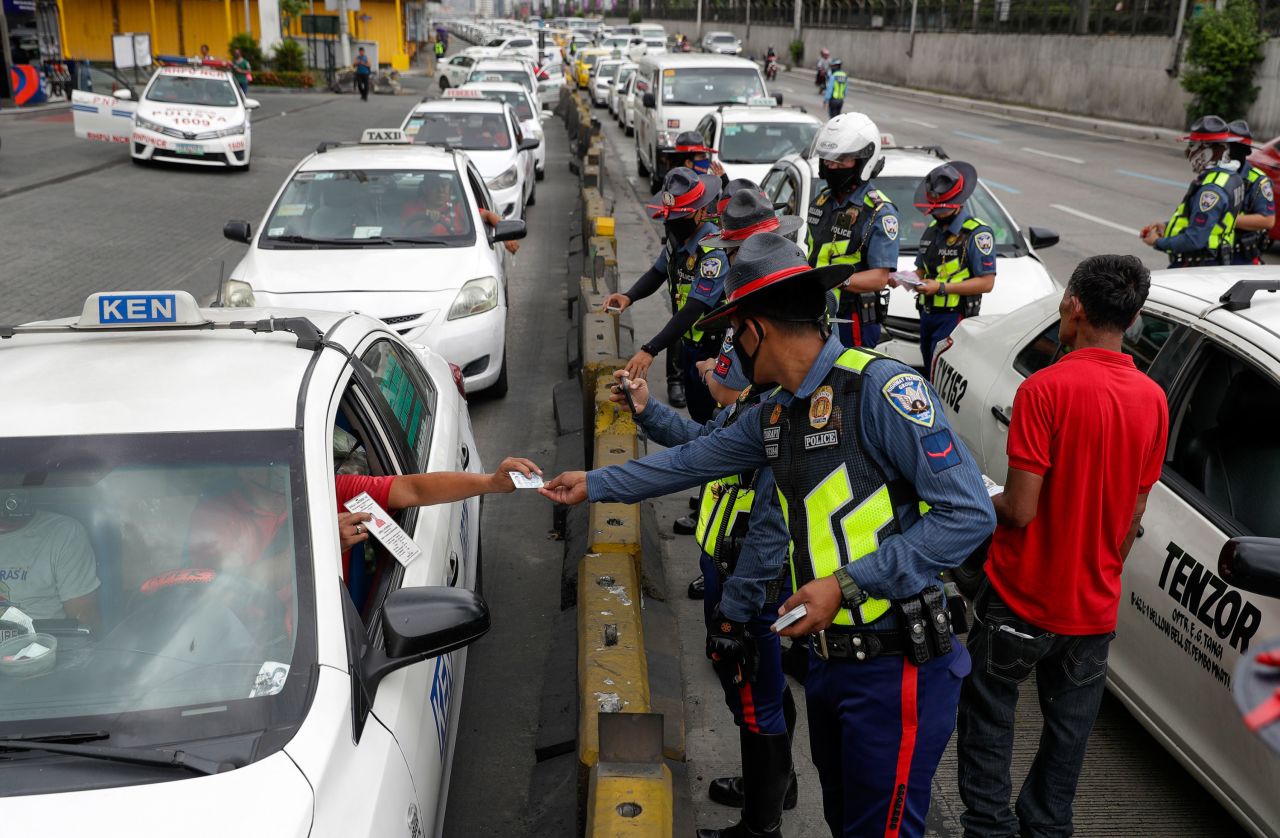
(912, 223)
(371, 208)
(711, 85)
(156, 588)
(519, 77)
(474, 131)
(193, 90)
(608, 71)
(764, 142)
(518, 100)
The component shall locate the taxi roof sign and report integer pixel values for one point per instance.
(384, 136)
(467, 93)
(761, 102)
(148, 309)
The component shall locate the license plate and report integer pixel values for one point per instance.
(188, 148)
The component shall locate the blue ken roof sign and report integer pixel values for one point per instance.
(140, 308)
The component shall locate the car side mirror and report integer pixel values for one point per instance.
(237, 231)
(124, 94)
(777, 97)
(254, 104)
(1042, 237)
(649, 101)
(509, 231)
(530, 143)
(1252, 564)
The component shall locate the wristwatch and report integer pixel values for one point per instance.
(852, 595)
(649, 350)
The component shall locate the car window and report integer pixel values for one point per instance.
(193, 90)
(772, 183)
(787, 194)
(1142, 342)
(518, 100)
(409, 395)
(466, 131)
(1042, 351)
(764, 142)
(1215, 446)
(374, 208)
(478, 187)
(710, 85)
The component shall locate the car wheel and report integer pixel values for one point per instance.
(500, 386)
(533, 194)
(655, 182)
(641, 168)
(628, 130)
(444, 82)
(539, 174)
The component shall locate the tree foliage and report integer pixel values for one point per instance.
(291, 10)
(634, 16)
(1224, 49)
(289, 57)
(796, 48)
(248, 48)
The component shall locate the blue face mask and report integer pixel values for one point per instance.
(702, 167)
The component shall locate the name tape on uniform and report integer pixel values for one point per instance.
(382, 527)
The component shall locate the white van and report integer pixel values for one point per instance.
(677, 90)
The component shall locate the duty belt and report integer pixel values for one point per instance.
(932, 309)
(856, 645)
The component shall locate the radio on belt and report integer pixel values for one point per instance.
(109, 309)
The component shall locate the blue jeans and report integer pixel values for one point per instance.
(1070, 679)
(870, 333)
(756, 705)
(834, 106)
(935, 327)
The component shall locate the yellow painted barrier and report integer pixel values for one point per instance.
(623, 801)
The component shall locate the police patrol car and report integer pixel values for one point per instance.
(1213, 343)
(223, 689)
(490, 134)
(394, 230)
(1021, 277)
(192, 114)
(749, 140)
(524, 105)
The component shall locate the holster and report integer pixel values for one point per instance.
(925, 625)
(970, 305)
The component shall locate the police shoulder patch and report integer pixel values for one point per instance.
(908, 394)
(985, 243)
(940, 450)
(890, 225)
(1208, 199)
(688, 263)
(1267, 191)
(711, 267)
(822, 198)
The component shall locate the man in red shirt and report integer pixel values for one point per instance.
(1086, 445)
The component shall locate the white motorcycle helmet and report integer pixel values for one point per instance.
(851, 136)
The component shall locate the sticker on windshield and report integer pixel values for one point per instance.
(275, 231)
(270, 680)
(325, 175)
(366, 232)
(287, 210)
(668, 72)
(730, 130)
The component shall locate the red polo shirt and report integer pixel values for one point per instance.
(350, 485)
(1095, 429)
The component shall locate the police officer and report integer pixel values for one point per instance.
(854, 224)
(856, 442)
(956, 261)
(1202, 229)
(692, 151)
(439, 51)
(1258, 212)
(694, 277)
(837, 83)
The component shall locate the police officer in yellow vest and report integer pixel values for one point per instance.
(858, 446)
(956, 260)
(439, 48)
(695, 279)
(852, 223)
(837, 85)
(1258, 212)
(1202, 229)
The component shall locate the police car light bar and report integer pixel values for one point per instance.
(384, 136)
(149, 309)
(886, 141)
(468, 93)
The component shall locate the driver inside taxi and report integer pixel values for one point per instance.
(47, 567)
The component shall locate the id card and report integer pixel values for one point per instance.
(383, 528)
(993, 488)
(792, 616)
(533, 481)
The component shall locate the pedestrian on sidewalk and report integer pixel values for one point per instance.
(837, 84)
(363, 71)
(1085, 446)
(242, 70)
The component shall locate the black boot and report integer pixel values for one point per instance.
(766, 775)
(685, 526)
(698, 588)
(727, 791)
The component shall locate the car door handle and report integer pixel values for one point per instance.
(454, 567)
(1003, 414)
(466, 457)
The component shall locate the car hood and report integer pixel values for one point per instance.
(269, 797)
(753, 172)
(359, 270)
(191, 118)
(1019, 280)
(493, 163)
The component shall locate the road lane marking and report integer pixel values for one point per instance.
(1095, 219)
(1002, 187)
(977, 137)
(1075, 160)
(1151, 178)
(921, 123)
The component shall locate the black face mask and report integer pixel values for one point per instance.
(839, 180)
(680, 229)
(748, 362)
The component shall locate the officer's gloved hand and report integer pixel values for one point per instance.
(732, 652)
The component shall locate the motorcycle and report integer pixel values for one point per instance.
(771, 68)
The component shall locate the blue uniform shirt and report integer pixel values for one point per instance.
(882, 244)
(931, 458)
(831, 84)
(1261, 198)
(764, 550)
(687, 249)
(728, 371)
(980, 252)
(1205, 210)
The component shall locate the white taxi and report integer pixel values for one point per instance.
(506, 69)
(490, 134)
(392, 230)
(194, 115)
(522, 103)
(603, 76)
(1213, 346)
(749, 140)
(618, 90)
(184, 467)
(1021, 277)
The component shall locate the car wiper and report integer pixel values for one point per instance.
(60, 736)
(146, 756)
(297, 239)
(427, 240)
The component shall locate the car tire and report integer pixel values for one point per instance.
(539, 174)
(499, 387)
(444, 83)
(655, 182)
(628, 130)
(641, 168)
(533, 193)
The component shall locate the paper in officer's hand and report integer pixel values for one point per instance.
(993, 488)
(382, 527)
(908, 278)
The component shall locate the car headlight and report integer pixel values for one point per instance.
(226, 132)
(476, 297)
(506, 180)
(238, 294)
(151, 126)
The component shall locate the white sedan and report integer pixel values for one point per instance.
(750, 138)
(395, 231)
(188, 463)
(1020, 275)
(618, 90)
(1215, 349)
(522, 103)
(194, 115)
(603, 75)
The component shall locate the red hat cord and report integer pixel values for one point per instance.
(941, 200)
(763, 281)
(766, 226)
(679, 203)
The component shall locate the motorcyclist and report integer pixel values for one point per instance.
(824, 62)
(771, 64)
